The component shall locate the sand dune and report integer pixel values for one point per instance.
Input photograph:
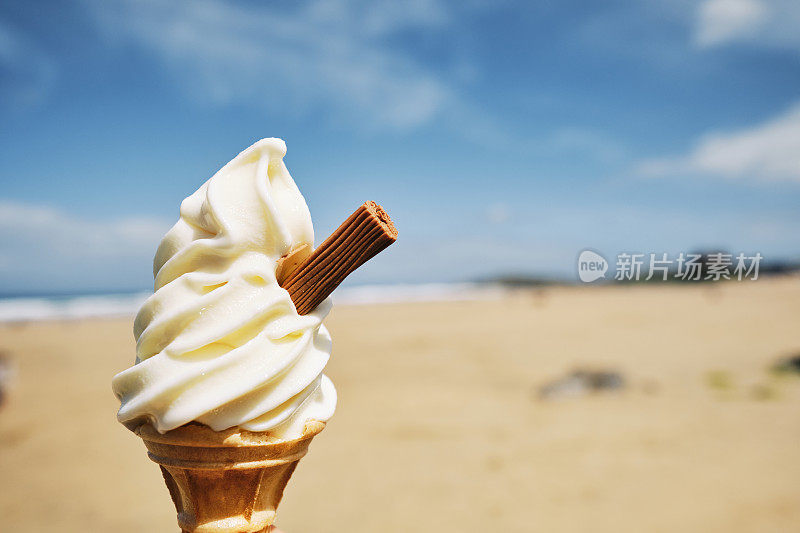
(439, 426)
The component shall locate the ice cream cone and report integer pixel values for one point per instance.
(225, 481)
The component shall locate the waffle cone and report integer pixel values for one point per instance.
(225, 481)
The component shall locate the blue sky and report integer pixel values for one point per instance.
(501, 136)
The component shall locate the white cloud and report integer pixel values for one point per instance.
(758, 22)
(769, 151)
(45, 247)
(27, 73)
(328, 57)
(45, 227)
(725, 20)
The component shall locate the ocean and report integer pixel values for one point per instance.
(25, 308)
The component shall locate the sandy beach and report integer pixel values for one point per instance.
(440, 426)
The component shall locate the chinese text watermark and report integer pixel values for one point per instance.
(663, 267)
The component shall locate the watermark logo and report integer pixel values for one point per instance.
(591, 266)
(663, 267)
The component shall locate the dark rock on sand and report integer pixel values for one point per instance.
(789, 365)
(6, 376)
(580, 382)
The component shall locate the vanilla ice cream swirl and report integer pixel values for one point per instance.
(220, 342)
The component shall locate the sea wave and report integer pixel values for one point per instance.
(426, 292)
(26, 309)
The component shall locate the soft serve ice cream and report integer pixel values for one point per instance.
(220, 342)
